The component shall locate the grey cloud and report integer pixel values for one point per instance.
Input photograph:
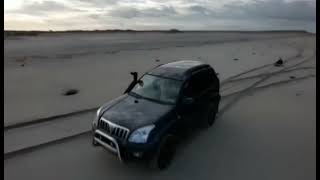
(98, 3)
(258, 9)
(295, 10)
(132, 12)
(42, 8)
(126, 12)
(184, 14)
(197, 9)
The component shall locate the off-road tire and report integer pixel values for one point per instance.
(164, 154)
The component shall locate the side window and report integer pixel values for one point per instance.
(197, 84)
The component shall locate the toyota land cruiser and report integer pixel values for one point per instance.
(169, 100)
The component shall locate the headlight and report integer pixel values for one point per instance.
(141, 135)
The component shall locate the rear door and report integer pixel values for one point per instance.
(198, 88)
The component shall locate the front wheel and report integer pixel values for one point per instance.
(164, 154)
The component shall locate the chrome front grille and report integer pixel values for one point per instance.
(113, 129)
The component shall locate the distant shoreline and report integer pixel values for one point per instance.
(35, 32)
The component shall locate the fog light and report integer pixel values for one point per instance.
(137, 154)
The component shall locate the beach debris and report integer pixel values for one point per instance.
(157, 60)
(71, 92)
(113, 52)
(279, 62)
(22, 61)
(235, 59)
(292, 77)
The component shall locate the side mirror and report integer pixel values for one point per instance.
(187, 100)
(140, 82)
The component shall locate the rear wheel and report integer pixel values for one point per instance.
(164, 154)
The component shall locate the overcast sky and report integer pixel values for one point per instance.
(160, 14)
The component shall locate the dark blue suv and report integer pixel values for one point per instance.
(156, 109)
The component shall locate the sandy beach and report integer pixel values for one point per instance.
(266, 122)
(39, 69)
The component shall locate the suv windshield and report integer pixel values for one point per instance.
(158, 88)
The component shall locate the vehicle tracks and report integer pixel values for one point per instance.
(237, 96)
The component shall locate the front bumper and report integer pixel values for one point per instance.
(107, 142)
(124, 150)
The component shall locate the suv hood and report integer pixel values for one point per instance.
(132, 112)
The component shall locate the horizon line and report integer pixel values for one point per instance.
(156, 30)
